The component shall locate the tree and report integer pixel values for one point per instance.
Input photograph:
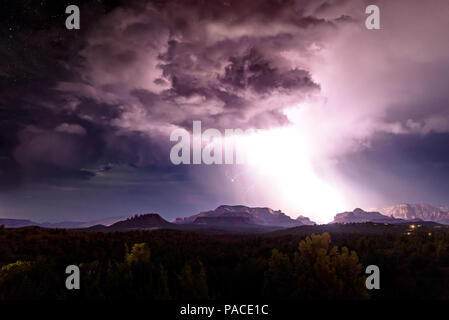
(193, 282)
(140, 253)
(279, 276)
(139, 271)
(162, 290)
(323, 272)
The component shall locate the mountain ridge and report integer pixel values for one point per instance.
(142, 221)
(240, 217)
(361, 216)
(228, 214)
(20, 223)
(422, 211)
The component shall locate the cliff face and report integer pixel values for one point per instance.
(305, 221)
(360, 216)
(420, 211)
(144, 221)
(242, 214)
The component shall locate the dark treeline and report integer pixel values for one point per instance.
(168, 264)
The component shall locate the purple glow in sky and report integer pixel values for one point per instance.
(343, 116)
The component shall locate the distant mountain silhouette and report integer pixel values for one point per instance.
(16, 223)
(421, 211)
(144, 221)
(361, 216)
(20, 223)
(242, 216)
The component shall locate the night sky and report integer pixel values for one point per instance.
(342, 116)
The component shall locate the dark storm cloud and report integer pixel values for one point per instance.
(252, 71)
(110, 92)
(37, 129)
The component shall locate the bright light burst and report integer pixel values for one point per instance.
(283, 157)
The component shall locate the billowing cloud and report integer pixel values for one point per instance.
(212, 67)
(140, 71)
